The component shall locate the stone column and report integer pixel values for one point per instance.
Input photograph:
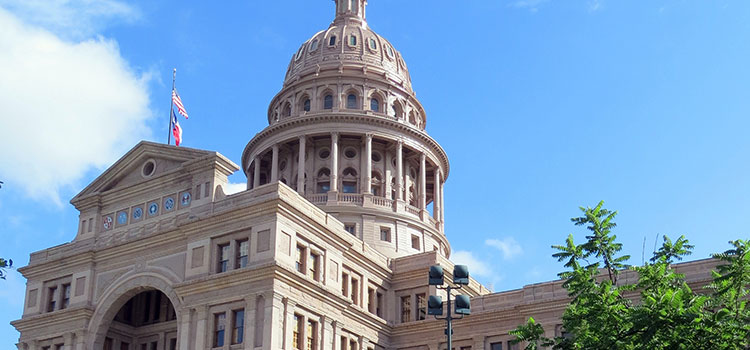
(335, 335)
(436, 196)
(407, 192)
(256, 172)
(442, 202)
(183, 331)
(367, 178)
(400, 170)
(334, 161)
(275, 164)
(68, 341)
(289, 324)
(423, 181)
(301, 166)
(249, 336)
(201, 327)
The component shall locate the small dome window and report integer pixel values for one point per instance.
(373, 44)
(376, 157)
(299, 53)
(375, 105)
(306, 105)
(351, 101)
(350, 172)
(350, 153)
(328, 102)
(314, 45)
(325, 172)
(287, 110)
(332, 41)
(389, 51)
(324, 153)
(353, 40)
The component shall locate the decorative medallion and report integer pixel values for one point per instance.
(185, 199)
(153, 209)
(122, 218)
(169, 204)
(137, 213)
(108, 222)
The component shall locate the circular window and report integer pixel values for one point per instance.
(282, 166)
(376, 157)
(148, 168)
(350, 153)
(324, 153)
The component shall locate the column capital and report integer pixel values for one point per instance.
(335, 134)
(422, 157)
(368, 136)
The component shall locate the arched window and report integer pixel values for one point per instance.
(328, 102)
(306, 105)
(398, 112)
(324, 172)
(287, 110)
(324, 185)
(351, 101)
(353, 40)
(332, 41)
(314, 45)
(350, 172)
(375, 105)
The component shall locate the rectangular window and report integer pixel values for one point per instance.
(220, 321)
(51, 299)
(349, 187)
(379, 307)
(298, 327)
(385, 234)
(206, 189)
(154, 345)
(65, 296)
(371, 300)
(352, 345)
(406, 308)
(124, 346)
(415, 242)
(512, 346)
(312, 266)
(300, 261)
(344, 284)
(312, 335)
(238, 327)
(351, 228)
(355, 291)
(421, 307)
(144, 346)
(243, 247)
(223, 253)
(172, 344)
(107, 344)
(496, 346)
(344, 342)
(466, 348)
(59, 346)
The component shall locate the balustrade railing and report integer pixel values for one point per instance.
(383, 202)
(318, 198)
(350, 198)
(412, 210)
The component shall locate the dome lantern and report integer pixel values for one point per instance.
(351, 10)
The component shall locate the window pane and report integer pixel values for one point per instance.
(219, 325)
(406, 308)
(421, 307)
(351, 101)
(307, 105)
(375, 105)
(328, 102)
(238, 332)
(242, 253)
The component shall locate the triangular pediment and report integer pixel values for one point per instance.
(144, 162)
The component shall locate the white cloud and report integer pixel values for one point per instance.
(594, 5)
(65, 107)
(72, 18)
(508, 247)
(235, 188)
(476, 266)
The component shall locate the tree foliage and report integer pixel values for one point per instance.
(5, 264)
(659, 310)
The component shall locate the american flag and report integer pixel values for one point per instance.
(178, 103)
(176, 130)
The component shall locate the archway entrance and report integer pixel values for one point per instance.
(147, 321)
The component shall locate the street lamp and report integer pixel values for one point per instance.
(435, 303)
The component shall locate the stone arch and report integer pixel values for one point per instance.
(120, 291)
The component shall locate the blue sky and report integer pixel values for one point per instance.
(542, 106)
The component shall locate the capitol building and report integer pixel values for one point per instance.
(329, 246)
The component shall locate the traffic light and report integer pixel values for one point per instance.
(461, 274)
(436, 275)
(435, 305)
(463, 304)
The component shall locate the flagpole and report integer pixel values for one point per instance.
(171, 108)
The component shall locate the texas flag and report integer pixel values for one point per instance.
(176, 129)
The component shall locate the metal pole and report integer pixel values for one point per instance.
(171, 108)
(449, 322)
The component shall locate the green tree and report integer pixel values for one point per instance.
(5, 264)
(666, 313)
